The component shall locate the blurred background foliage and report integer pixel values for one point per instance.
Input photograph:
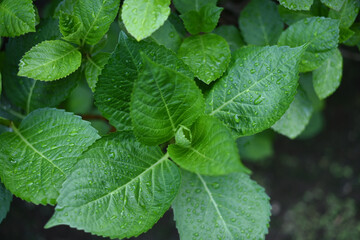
(313, 181)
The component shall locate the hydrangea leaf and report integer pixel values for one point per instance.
(162, 100)
(27, 93)
(143, 17)
(93, 68)
(87, 21)
(334, 4)
(212, 150)
(355, 38)
(204, 20)
(321, 34)
(223, 207)
(256, 147)
(5, 200)
(311, 61)
(38, 155)
(16, 17)
(50, 60)
(115, 84)
(206, 55)
(260, 23)
(257, 89)
(297, 4)
(168, 36)
(184, 6)
(232, 35)
(119, 188)
(296, 118)
(327, 77)
(347, 14)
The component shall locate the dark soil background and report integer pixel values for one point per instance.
(324, 167)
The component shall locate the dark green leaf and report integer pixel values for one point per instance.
(260, 23)
(256, 147)
(168, 36)
(184, 6)
(162, 100)
(297, 4)
(5, 200)
(232, 35)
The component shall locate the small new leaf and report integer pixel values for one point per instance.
(212, 150)
(119, 188)
(162, 100)
(50, 60)
(206, 55)
(143, 17)
(38, 155)
(93, 68)
(225, 207)
(16, 17)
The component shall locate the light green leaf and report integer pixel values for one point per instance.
(206, 55)
(16, 17)
(184, 6)
(87, 21)
(256, 147)
(5, 200)
(321, 34)
(257, 90)
(27, 93)
(327, 77)
(334, 4)
(297, 4)
(119, 188)
(162, 100)
(212, 150)
(50, 60)
(38, 155)
(143, 17)
(93, 68)
(260, 23)
(204, 20)
(226, 207)
(296, 118)
(168, 36)
(183, 136)
(232, 35)
(347, 14)
(115, 85)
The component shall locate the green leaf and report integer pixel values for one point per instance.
(184, 6)
(162, 100)
(327, 77)
(290, 16)
(257, 90)
(143, 17)
(0, 84)
(93, 68)
(38, 155)
(355, 38)
(206, 55)
(319, 33)
(334, 4)
(119, 188)
(212, 150)
(347, 14)
(296, 118)
(115, 85)
(50, 60)
(297, 4)
(226, 207)
(87, 21)
(256, 147)
(345, 34)
(5, 200)
(26, 93)
(260, 23)
(168, 36)
(306, 82)
(204, 20)
(16, 17)
(232, 35)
